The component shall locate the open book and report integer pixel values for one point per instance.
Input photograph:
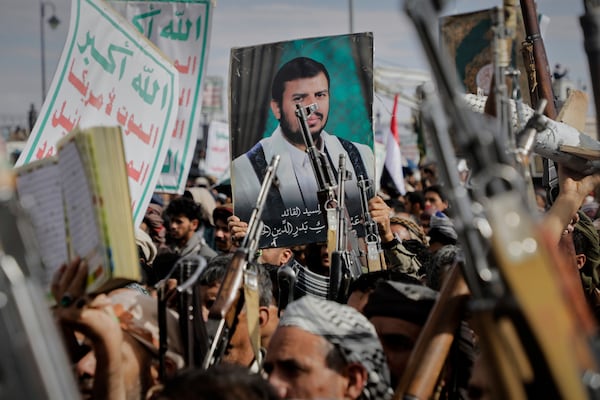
(79, 205)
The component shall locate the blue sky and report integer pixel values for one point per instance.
(243, 23)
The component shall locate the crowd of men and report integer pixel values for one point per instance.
(310, 347)
(213, 318)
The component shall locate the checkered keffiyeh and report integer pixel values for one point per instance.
(350, 332)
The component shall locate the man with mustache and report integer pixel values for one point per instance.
(300, 81)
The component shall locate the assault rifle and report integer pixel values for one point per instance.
(342, 242)
(539, 77)
(504, 26)
(540, 84)
(504, 30)
(534, 347)
(375, 257)
(345, 264)
(186, 271)
(240, 284)
(326, 181)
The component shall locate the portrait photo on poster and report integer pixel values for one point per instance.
(267, 82)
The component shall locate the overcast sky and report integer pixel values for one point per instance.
(244, 23)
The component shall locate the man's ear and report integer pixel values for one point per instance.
(170, 367)
(170, 370)
(276, 110)
(195, 223)
(580, 260)
(357, 379)
(263, 316)
(285, 256)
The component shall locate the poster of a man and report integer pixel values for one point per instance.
(335, 74)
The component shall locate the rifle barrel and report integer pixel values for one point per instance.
(544, 78)
(590, 23)
(223, 314)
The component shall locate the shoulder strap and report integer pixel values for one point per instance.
(355, 158)
(256, 155)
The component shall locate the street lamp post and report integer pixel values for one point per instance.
(351, 15)
(53, 21)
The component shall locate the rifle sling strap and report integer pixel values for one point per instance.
(251, 297)
(257, 159)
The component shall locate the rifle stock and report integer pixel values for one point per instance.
(223, 313)
(229, 292)
(429, 355)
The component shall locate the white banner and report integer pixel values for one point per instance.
(111, 75)
(181, 29)
(218, 156)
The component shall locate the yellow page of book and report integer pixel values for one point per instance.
(112, 191)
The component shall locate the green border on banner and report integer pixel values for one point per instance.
(198, 88)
